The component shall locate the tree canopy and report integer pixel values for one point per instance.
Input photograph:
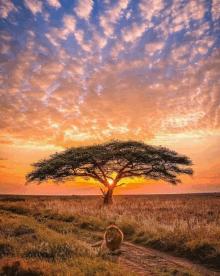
(110, 162)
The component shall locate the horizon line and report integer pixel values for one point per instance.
(114, 195)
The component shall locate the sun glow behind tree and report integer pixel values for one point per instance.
(111, 162)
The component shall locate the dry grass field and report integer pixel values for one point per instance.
(42, 235)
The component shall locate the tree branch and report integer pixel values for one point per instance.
(119, 185)
(101, 170)
(92, 176)
(118, 177)
(103, 191)
(133, 173)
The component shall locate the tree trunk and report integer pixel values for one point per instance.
(108, 197)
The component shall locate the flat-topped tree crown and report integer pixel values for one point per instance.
(109, 163)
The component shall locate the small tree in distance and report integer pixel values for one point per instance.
(110, 162)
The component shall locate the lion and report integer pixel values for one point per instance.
(113, 239)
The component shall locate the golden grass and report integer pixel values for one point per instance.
(186, 225)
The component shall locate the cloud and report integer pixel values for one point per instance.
(111, 16)
(84, 9)
(128, 15)
(131, 33)
(109, 87)
(79, 35)
(182, 15)
(99, 40)
(215, 10)
(150, 8)
(201, 30)
(179, 16)
(34, 5)
(151, 48)
(6, 7)
(4, 49)
(115, 51)
(125, 107)
(69, 25)
(186, 53)
(53, 37)
(54, 3)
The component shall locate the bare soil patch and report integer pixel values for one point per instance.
(146, 261)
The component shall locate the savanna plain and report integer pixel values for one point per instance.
(52, 235)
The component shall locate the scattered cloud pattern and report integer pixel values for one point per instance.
(90, 71)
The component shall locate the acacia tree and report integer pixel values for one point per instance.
(111, 162)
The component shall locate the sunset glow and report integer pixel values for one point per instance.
(87, 71)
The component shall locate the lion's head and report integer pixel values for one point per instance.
(113, 237)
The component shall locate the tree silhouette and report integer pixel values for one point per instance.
(109, 163)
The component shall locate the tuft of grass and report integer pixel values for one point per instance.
(92, 223)
(6, 249)
(62, 227)
(128, 227)
(97, 267)
(173, 271)
(12, 199)
(15, 208)
(82, 266)
(23, 230)
(18, 268)
(51, 252)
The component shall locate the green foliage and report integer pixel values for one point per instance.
(127, 159)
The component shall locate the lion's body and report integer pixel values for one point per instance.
(113, 238)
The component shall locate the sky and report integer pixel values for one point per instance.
(78, 72)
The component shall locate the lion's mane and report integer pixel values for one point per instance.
(117, 237)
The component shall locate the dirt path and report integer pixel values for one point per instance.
(146, 261)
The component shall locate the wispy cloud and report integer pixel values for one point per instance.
(6, 7)
(34, 5)
(111, 16)
(131, 33)
(54, 3)
(69, 25)
(84, 8)
(150, 8)
(215, 10)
